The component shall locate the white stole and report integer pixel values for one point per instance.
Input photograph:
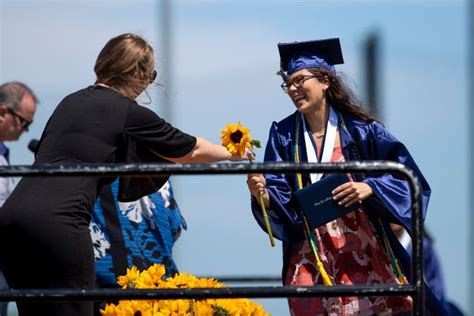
(328, 143)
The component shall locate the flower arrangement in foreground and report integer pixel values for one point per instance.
(152, 279)
(236, 138)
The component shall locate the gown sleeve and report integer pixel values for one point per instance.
(283, 217)
(392, 198)
(148, 138)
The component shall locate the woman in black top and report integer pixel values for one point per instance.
(44, 225)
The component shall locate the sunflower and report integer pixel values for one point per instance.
(236, 138)
(174, 307)
(145, 281)
(138, 308)
(202, 308)
(129, 280)
(151, 278)
(181, 280)
(110, 310)
(209, 282)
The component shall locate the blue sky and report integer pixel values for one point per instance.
(224, 62)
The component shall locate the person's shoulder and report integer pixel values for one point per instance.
(363, 128)
(286, 124)
(357, 122)
(140, 115)
(73, 95)
(95, 101)
(99, 93)
(107, 94)
(93, 92)
(140, 110)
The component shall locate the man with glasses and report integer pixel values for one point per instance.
(17, 108)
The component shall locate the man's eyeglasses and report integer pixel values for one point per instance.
(153, 76)
(298, 82)
(24, 122)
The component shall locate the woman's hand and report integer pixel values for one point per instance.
(256, 183)
(351, 192)
(248, 155)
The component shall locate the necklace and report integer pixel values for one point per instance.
(319, 135)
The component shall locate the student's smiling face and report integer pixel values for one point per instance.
(306, 91)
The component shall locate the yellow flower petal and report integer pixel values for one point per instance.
(236, 138)
(152, 278)
(128, 280)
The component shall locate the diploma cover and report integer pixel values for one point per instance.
(317, 203)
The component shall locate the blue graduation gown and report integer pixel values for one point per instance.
(391, 201)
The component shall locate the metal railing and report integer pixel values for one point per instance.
(414, 289)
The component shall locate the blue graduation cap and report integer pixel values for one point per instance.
(310, 54)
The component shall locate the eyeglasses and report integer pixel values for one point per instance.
(153, 76)
(298, 82)
(24, 122)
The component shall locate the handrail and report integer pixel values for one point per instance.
(244, 279)
(63, 295)
(415, 289)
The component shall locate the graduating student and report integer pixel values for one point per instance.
(359, 247)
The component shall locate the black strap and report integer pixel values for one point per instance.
(118, 250)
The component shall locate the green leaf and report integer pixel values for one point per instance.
(256, 143)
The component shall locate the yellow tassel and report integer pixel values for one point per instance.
(319, 264)
(401, 279)
(324, 275)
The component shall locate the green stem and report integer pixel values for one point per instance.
(265, 217)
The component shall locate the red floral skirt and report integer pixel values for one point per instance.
(351, 254)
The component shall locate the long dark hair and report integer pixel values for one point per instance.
(340, 96)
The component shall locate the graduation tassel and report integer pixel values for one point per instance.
(393, 260)
(309, 234)
(324, 275)
(319, 264)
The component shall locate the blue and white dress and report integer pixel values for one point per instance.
(138, 233)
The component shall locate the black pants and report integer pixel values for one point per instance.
(56, 257)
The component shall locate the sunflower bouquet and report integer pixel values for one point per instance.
(152, 278)
(236, 138)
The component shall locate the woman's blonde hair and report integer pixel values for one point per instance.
(126, 64)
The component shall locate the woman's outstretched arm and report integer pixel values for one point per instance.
(205, 151)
